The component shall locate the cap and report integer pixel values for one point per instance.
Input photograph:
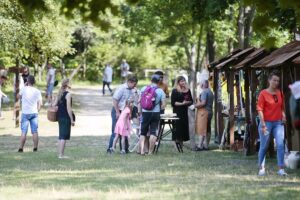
(155, 78)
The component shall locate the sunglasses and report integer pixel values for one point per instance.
(275, 98)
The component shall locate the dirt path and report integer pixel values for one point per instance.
(92, 115)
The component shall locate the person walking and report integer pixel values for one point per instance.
(124, 70)
(181, 99)
(50, 83)
(31, 104)
(107, 78)
(270, 108)
(204, 115)
(151, 115)
(122, 94)
(65, 116)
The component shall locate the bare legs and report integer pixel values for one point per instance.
(35, 139)
(61, 148)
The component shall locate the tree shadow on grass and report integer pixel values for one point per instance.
(91, 168)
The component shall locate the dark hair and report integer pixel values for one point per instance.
(132, 78)
(155, 78)
(180, 78)
(160, 73)
(31, 80)
(273, 73)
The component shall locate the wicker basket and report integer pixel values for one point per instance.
(51, 114)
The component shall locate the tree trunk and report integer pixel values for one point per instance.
(249, 17)
(41, 69)
(62, 68)
(75, 71)
(241, 26)
(36, 69)
(199, 45)
(17, 90)
(230, 40)
(210, 45)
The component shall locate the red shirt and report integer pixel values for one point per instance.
(271, 105)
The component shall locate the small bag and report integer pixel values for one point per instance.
(51, 114)
(73, 115)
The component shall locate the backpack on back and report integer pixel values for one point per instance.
(148, 98)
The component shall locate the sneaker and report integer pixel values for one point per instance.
(199, 149)
(123, 152)
(20, 150)
(262, 172)
(34, 149)
(281, 172)
(63, 157)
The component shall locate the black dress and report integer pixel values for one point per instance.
(181, 125)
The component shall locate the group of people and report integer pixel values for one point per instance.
(128, 104)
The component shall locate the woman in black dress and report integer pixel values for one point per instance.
(65, 116)
(181, 99)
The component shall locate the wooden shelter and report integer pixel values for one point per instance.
(249, 64)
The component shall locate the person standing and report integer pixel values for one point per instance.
(151, 117)
(50, 83)
(124, 70)
(25, 74)
(3, 78)
(31, 104)
(122, 94)
(204, 115)
(107, 77)
(65, 117)
(270, 108)
(181, 99)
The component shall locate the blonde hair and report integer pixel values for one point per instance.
(64, 86)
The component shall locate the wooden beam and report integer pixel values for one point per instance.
(231, 109)
(253, 113)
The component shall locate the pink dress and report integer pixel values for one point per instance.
(123, 126)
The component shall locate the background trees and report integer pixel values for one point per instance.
(83, 35)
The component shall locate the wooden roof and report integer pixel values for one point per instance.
(252, 58)
(236, 57)
(213, 64)
(280, 56)
(296, 60)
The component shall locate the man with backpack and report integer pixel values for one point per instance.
(153, 99)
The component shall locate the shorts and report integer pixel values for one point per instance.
(50, 88)
(31, 119)
(64, 125)
(150, 120)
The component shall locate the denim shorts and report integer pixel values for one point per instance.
(31, 119)
(50, 88)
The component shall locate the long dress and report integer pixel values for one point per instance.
(181, 132)
(123, 126)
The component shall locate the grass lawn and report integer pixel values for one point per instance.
(90, 173)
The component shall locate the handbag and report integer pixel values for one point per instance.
(73, 115)
(51, 114)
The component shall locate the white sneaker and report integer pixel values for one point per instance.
(262, 172)
(46, 104)
(281, 172)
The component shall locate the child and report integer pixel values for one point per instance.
(123, 126)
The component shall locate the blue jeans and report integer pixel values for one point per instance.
(31, 119)
(113, 125)
(275, 128)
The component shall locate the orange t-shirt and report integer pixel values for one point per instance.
(270, 105)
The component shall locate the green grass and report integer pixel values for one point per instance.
(92, 174)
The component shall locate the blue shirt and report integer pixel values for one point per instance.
(122, 94)
(160, 97)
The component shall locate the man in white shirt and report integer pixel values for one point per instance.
(50, 83)
(31, 104)
(107, 77)
(124, 70)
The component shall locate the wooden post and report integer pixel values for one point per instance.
(231, 109)
(248, 147)
(253, 113)
(17, 90)
(215, 88)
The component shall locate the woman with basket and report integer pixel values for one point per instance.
(65, 116)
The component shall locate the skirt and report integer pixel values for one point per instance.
(201, 121)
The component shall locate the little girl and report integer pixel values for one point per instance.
(123, 126)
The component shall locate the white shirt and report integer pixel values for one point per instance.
(124, 69)
(51, 72)
(108, 72)
(30, 97)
